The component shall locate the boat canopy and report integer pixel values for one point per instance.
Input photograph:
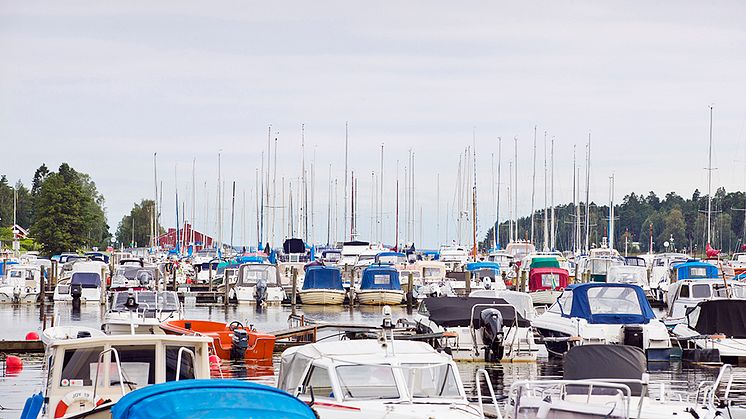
(210, 398)
(381, 277)
(604, 303)
(720, 316)
(86, 279)
(548, 278)
(293, 246)
(544, 262)
(696, 269)
(478, 266)
(607, 362)
(391, 257)
(635, 261)
(323, 277)
(251, 259)
(148, 301)
(457, 311)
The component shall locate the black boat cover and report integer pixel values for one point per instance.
(456, 311)
(606, 362)
(293, 246)
(727, 317)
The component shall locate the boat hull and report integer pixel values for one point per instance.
(260, 345)
(322, 296)
(545, 297)
(380, 297)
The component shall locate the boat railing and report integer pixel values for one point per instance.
(478, 383)
(711, 394)
(182, 350)
(473, 332)
(540, 392)
(98, 369)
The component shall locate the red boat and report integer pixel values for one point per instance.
(231, 341)
(541, 279)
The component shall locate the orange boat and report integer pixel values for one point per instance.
(231, 341)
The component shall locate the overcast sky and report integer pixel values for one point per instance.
(104, 85)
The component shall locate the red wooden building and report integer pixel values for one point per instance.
(201, 240)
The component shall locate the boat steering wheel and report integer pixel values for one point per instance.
(235, 325)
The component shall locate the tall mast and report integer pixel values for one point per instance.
(611, 211)
(380, 201)
(587, 196)
(344, 211)
(497, 209)
(194, 202)
(517, 236)
(546, 201)
(220, 207)
(156, 212)
(396, 222)
(709, 184)
(492, 184)
(304, 195)
(233, 210)
(554, 223)
(437, 209)
(258, 224)
(533, 191)
(574, 205)
(511, 238)
(329, 210)
(267, 202)
(274, 192)
(473, 198)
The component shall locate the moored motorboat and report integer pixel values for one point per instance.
(714, 331)
(323, 285)
(380, 286)
(545, 284)
(21, 284)
(135, 312)
(229, 341)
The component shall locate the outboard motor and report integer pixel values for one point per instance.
(632, 336)
(492, 334)
(76, 292)
(239, 344)
(260, 292)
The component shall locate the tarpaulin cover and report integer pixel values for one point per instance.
(210, 399)
(544, 263)
(536, 278)
(323, 277)
(581, 305)
(695, 269)
(293, 246)
(727, 317)
(86, 279)
(456, 311)
(594, 362)
(478, 266)
(380, 277)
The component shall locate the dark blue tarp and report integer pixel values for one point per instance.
(210, 399)
(323, 277)
(581, 305)
(86, 279)
(380, 277)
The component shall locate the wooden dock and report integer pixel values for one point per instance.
(21, 346)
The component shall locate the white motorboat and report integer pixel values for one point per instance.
(628, 274)
(454, 257)
(257, 283)
(610, 381)
(380, 286)
(598, 312)
(375, 379)
(137, 312)
(323, 286)
(21, 284)
(687, 293)
(660, 272)
(84, 284)
(480, 328)
(88, 375)
(714, 331)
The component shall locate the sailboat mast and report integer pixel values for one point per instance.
(233, 210)
(611, 211)
(574, 205)
(194, 201)
(533, 190)
(344, 210)
(587, 196)
(515, 139)
(709, 183)
(554, 223)
(497, 209)
(156, 212)
(511, 238)
(474, 198)
(329, 209)
(546, 201)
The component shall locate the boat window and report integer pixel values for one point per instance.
(550, 280)
(381, 279)
(367, 382)
(423, 310)
(187, 363)
(698, 272)
(433, 272)
(563, 305)
(254, 274)
(741, 258)
(701, 291)
(148, 301)
(431, 380)
(79, 367)
(16, 274)
(318, 378)
(138, 366)
(684, 293)
(613, 300)
(291, 371)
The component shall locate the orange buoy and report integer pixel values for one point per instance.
(13, 365)
(214, 359)
(32, 336)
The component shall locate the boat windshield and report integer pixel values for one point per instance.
(148, 301)
(701, 291)
(740, 257)
(614, 300)
(431, 380)
(253, 274)
(433, 272)
(367, 382)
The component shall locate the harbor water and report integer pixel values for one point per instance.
(17, 320)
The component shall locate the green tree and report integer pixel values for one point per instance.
(140, 217)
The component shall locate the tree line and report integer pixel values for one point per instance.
(63, 210)
(677, 221)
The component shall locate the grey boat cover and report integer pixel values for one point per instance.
(456, 311)
(606, 363)
(727, 317)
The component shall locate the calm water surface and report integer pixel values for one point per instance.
(16, 321)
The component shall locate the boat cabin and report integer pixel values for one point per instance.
(380, 277)
(603, 303)
(550, 278)
(323, 277)
(694, 269)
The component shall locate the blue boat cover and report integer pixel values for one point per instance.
(696, 269)
(380, 277)
(581, 305)
(224, 399)
(250, 259)
(477, 266)
(33, 405)
(323, 277)
(86, 279)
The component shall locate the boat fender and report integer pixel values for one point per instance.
(77, 396)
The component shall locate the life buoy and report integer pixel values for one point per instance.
(76, 396)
